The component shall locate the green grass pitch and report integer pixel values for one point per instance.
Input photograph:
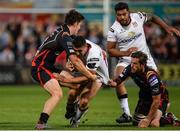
(20, 106)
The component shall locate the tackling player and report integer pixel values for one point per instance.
(95, 60)
(128, 34)
(153, 96)
(43, 69)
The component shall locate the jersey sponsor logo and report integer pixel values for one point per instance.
(135, 24)
(131, 34)
(155, 90)
(131, 39)
(152, 79)
(155, 81)
(111, 30)
(70, 47)
(93, 59)
(91, 65)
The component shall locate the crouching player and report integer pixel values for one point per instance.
(153, 96)
(96, 61)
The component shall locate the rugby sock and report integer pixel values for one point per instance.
(80, 112)
(43, 118)
(124, 103)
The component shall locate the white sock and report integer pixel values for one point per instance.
(80, 113)
(125, 106)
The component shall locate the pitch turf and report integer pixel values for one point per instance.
(20, 107)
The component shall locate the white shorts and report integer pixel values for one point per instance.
(125, 62)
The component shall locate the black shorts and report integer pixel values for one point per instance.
(143, 106)
(41, 74)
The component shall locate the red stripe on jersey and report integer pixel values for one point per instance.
(35, 58)
(49, 73)
(39, 77)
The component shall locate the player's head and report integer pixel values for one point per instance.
(122, 13)
(138, 61)
(74, 19)
(80, 45)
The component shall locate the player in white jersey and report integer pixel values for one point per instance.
(127, 34)
(95, 60)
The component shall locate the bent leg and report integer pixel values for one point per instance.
(53, 87)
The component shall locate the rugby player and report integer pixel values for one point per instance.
(43, 69)
(128, 34)
(153, 96)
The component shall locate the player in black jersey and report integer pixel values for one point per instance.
(153, 96)
(43, 69)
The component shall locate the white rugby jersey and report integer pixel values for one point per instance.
(96, 60)
(131, 35)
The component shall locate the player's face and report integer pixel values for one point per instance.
(76, 28)
(82, 50)
(135, 65)
(123, 17)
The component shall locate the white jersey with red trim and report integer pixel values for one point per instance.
(131, 36)
(96, 60)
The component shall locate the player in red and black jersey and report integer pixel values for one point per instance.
(43, 69)
(153, 96)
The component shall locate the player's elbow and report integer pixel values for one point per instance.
(110, 52)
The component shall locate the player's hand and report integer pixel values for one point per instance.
(69, 65)
(64, 79)
(93, 77)
(144, 123)
(112, 83)
(131, 50)
(171, 31)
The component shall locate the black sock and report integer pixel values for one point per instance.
(43, 118)
(121, 96)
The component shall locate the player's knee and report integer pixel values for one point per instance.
(57, 94)
(155, 123)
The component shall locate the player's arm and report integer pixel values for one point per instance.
(77, 63)
(122, 77)
(114, 52)
(75, 80)
(156, 96)
(154, 108)
(157, 20)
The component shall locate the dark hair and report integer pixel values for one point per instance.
(73, 16)
(79, 42)
(141, 56)
(121, 6)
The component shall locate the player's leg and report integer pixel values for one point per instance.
(84, 100)
(51, 85)
(141, 111)
(72, 102)
(73, 99)
(123, 98)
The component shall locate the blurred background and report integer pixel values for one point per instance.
(25, 23)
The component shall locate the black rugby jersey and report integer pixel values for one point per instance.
(54, 44)
(148, 82)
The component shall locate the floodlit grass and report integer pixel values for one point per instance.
(20, 106)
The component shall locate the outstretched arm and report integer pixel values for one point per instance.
(114, 52)
(169, 29)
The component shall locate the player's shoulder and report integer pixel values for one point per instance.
(94, 48)
(138, 15)
(151, 75)
(115, 26)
